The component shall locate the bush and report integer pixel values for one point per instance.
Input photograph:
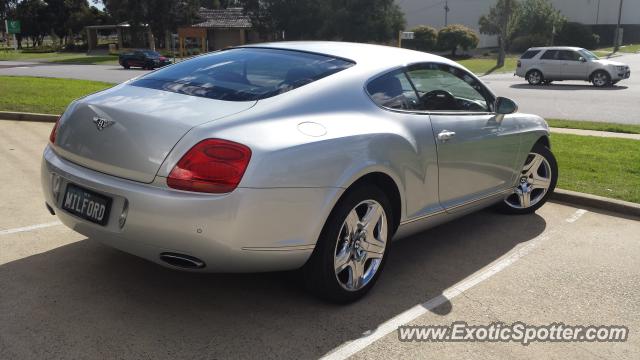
(40, 50)
(522, 43)
(579, 35)
(76, 48)
(453, 36)
(425, 39)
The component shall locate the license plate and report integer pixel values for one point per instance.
(87, 204)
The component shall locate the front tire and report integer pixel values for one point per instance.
(125, 64)
(600, 79)
(537, 181)
(535, 77)
(352, 247)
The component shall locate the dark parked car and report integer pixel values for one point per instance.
(146, 59)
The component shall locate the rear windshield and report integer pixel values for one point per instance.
(243, 74)
(529, 54)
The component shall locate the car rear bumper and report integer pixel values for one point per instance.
(247, 230)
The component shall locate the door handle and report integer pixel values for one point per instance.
(445, 135)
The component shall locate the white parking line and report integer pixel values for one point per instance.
(29, 228)
(576, 216)
(369, 337)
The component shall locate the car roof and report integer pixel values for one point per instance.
(556, 48)
(379, 56)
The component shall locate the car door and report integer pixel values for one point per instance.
(549, 65)
(476, 149)
(573, 67)
(138, 58)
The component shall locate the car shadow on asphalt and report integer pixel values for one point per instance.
(86, 298)
(567, 87)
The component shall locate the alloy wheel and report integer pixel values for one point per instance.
(535, 78)
(600, 79)
(534, 182)
(361, 245)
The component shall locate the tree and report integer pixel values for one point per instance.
(160, 15)
(33, 18)
(576, 34)
(425, 38)
(539, 17)
(500, 21)
(362, 20)
(349, 20)
(453, 36)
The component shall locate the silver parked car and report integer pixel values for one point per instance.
(542, 65)
(310, 155)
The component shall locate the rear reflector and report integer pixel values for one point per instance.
(54, 132)
(211, 166)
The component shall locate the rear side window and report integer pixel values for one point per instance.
(549, 55)
(529, 54)
(568, 55)
(393, 91)
(243, 74)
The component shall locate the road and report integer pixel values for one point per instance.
(562, 100)
(575, 100)
(65, 296)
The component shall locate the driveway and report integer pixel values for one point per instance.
(65, 296)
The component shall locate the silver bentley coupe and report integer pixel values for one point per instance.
(292, 155)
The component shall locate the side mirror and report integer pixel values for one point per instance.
(505, 106)
(582, 59)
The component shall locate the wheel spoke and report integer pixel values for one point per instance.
(342, 259)
(372, 217)
(372, 245)
(524, 198)
(533, 166)
(357, 274)
(540, 182)
(373, 255)
(352, 222)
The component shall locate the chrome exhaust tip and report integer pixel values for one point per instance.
(182, 261)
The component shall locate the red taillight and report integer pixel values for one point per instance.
(211, 166)
(54, 132)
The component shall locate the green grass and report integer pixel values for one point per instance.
(19, 55)
(87, 60)
(58, 57)
(633, 48)
(600, 166)
(593, 125)
(487, 65)
(43, 95)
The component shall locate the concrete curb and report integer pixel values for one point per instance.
(596, 202)
(9, 115)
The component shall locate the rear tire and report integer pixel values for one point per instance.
(352, 247)
(537, 181)
(125, 64)
(600, 78)
(535, 77)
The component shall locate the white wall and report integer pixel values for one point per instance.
(468, 12)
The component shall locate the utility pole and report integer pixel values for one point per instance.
(446, 12)
(616, 45)
(598, 13)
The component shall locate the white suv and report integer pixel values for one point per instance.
(542, 65)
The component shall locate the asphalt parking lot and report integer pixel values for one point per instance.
(572, 100)
(65, 296)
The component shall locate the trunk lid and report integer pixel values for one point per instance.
(128, 131)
